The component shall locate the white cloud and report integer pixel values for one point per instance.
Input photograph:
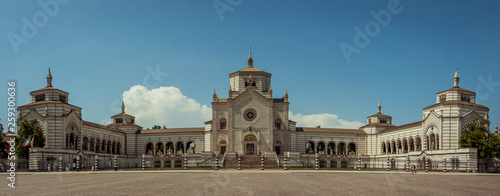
(326, 120)
(164, 106)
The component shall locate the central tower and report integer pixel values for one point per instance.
(250, 120)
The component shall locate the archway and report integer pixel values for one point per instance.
(179, 148)
(250, 144)
(331, 148)
(352, 149)
(190, 147)
(333, 163)
(222, 147)
(159, 148)
(411, 145)
(149, 149)
(321, 148)
(85, 145)
(170, 148)
(277, 147)
(418, 144)
(341, 149)
(405, 146)
(383, 148)
(310, 147)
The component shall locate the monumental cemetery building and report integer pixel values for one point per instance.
(250, 123)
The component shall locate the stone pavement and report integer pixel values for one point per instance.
(251, 182)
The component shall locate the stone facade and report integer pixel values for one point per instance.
(250, 122)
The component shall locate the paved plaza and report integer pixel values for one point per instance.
(254, 182)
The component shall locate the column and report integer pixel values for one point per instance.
(184, 147)
(336, 149)
(154, 149)
(164, 148)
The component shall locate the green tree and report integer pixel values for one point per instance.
(28, 130)
(477, 135)
(156, 127)
(3, 150)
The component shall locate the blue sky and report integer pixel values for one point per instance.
(98, 50)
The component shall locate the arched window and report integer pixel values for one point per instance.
(331, 148)
(85, 143)
(321, 148)
(149, 149)
(310, 147)
(222, 123)
(250, 138)
(170, 148)
(159, 148)
(190, 147)
(103, 146)
(418, 143)
(383, 148)
(180, 148)
(411, 145)
(342, 149)
(277, 124)
(352, 149)
(118, 146)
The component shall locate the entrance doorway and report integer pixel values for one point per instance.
(223, 150)
(277, 149)
(250, 150)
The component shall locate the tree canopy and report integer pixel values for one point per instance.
(28, 130)
(477, 135)
(156, 127)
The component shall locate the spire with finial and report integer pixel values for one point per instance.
(250, 60)
(456, 79)
(123, 107)
(496, 128)
(215, 96)
(285, 98)
(49, 79)
(379, 108)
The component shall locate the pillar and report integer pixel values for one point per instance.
(116, 162)
(284, 162)
(359, 163)
(388, 168)
(262, 162)
(216, 162)
(316, 161)
(143, 161)
(184, 147)
(407, 164)
(77, 163)
(96, 163)
(60, 164)
(239, 161)
(185, 161)
(444, 165)
(154, 149)
(426, 164)
(164, 148)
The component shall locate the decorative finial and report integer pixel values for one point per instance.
(379, 108)
(123, 107)
(49, 79)
(215, 96)
(496, 128)
(250, 60)
(285, 98)
(456, 79)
